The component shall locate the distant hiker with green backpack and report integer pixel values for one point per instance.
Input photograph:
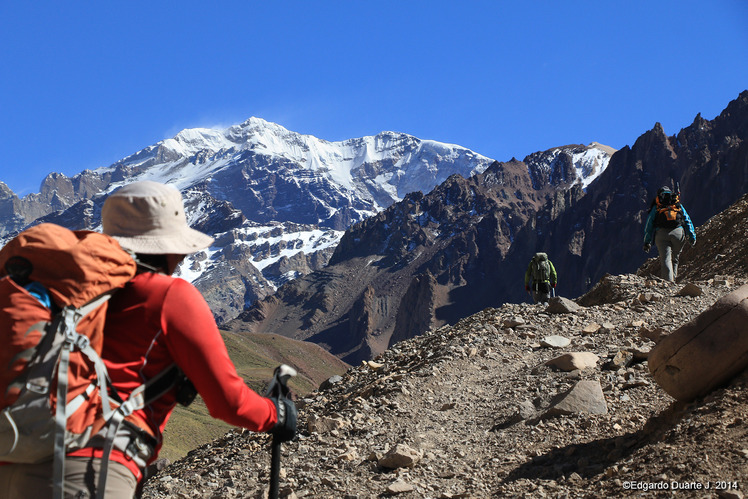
(669, 226)
(540, 278)
(159, 337)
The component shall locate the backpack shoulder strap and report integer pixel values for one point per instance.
(67, 322)
(143, 395)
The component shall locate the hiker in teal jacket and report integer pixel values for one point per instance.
(541, 275)
(668, 225)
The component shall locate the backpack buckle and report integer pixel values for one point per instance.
(82, 342)
(138, 446)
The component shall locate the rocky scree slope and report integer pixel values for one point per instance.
(516, 401)
(470, 410)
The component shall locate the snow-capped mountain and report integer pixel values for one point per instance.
(276, 201)
(273, 174)
(585, 163)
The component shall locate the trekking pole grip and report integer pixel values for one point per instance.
(278, 388)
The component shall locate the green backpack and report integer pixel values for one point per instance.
(541, 270)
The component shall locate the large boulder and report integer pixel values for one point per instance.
(706, 352)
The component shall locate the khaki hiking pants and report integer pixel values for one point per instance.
(669, 245)
(23, 481)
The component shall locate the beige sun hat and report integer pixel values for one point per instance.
(148, 217)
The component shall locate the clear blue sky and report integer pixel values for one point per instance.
(84, 84)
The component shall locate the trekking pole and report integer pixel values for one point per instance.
(278, 386)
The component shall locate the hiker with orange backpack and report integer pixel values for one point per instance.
(669, 226)
(54, 287)
(156, 325)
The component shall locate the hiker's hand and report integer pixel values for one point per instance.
(527, 288)
(554, 284)
(647, 247)
(285, 429)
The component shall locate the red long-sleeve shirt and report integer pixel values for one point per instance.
(158, 320)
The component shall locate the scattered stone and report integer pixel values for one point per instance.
(328, 383)
(574, 360)
(620, 359)
(287, 493)
(690, 289)
(591, 328)
(476, 406)
(561, 305)
(324, 424)
(722, 280)
(607, 327)
(156, 466)
(555, 341)
(401, 456)
(524, 411)
(584, 397)
(730, 494)
(350, 455)
(399, 487)
(640, 354)
(634, 384)
(649, 297)
(513, 322)
(655, 334)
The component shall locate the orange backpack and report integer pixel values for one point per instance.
(53, 292)
(669, 211)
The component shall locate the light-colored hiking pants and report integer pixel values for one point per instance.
(23, 481)
(669, 245)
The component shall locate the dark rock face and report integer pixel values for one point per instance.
(274, 189)
(231, 285)
(57, 194)
(81, 215)
(602, 232)
(10, 211)
(416, 310)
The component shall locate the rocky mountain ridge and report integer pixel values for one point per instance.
(516, 401)
(269, 173)
(277, 201)
(430, 259)
(391, 276)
